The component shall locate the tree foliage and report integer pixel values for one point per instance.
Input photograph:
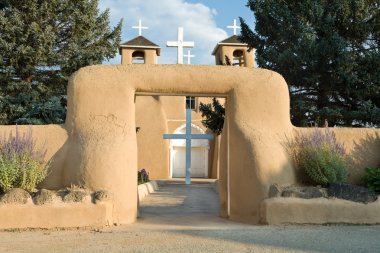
(42, 43)
(213, 115)
(327, 51)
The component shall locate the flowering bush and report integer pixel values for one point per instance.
(142, 176)
(21, 164)
(320, 156)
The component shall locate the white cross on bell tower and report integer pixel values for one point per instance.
(189, 56)
(140, 27)
(235, 27)
(180, 44)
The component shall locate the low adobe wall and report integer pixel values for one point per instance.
(318, 211)
(55, 215)
(146, 189)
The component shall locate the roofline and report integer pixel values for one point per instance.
(227, 44)
(155, 47)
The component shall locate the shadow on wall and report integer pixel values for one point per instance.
(365, 153)
(290, 149)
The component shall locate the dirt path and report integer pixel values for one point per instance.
(182, 218)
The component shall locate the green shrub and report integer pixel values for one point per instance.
(21, 163)
(372, 179)
(320, 156)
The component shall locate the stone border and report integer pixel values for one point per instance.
(144, 190)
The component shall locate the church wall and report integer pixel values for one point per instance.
(153, 150)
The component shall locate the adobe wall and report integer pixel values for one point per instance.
(101, 118)
(318, 211)
(153, 150)
(65, 215)
(51, 138)
(97, 146)
(362, 147)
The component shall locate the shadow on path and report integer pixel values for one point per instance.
(178, 204)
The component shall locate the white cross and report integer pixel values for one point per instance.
(235, 27)
(180, 44)
(189, 56)
(188, 137)
(140, 27)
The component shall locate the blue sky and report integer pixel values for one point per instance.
(204, 21)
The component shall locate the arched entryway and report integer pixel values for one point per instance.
(199, 154)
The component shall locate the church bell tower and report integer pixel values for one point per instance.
(232, 52)
(139, 50)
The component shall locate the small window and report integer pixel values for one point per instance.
(238, 58)
(191, 103)
(138, 57)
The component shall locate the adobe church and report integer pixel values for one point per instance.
(159, 114)
(118, 116)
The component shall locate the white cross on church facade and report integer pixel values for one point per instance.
(189, 56)
(235, 27)
(140, 27)
(188, 137)
(180, 44)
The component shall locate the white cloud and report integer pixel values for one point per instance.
(163, 17)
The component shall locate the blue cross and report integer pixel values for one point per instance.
(188, 137)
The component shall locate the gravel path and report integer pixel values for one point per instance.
(182, 218)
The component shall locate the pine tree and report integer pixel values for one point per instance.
(327, 51)
(213, 116)
(42, 43)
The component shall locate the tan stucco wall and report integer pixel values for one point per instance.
(51, 138)
(153, 150)
(362, 147)
(150, 55)
(319, 211)
(55, 215)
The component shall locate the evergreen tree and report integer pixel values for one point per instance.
(213, 115)
(327, 51)
(42, 43)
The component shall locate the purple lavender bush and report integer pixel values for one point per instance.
(320, 156)
(21, 163)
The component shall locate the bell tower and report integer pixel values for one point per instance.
(232, 52)
(139, 50)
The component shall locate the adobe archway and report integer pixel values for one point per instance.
(101, 123)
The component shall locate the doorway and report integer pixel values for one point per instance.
(199, 154)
